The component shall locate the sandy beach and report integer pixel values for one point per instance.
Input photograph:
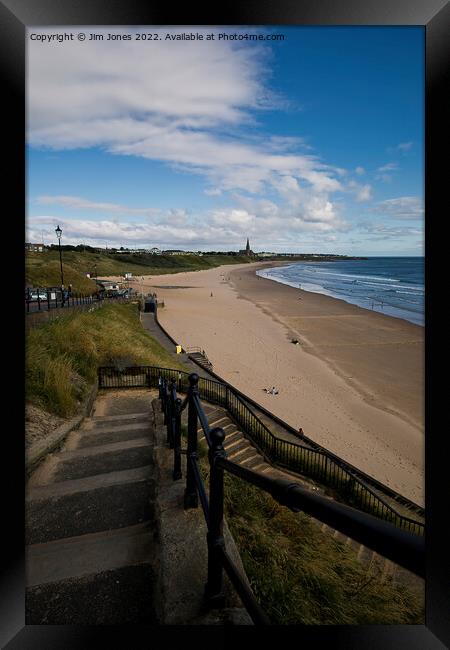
(354, 383)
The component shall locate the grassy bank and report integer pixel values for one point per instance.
(301, 575)
(62, 356)
(42, 269)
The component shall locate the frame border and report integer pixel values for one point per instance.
(434, 16)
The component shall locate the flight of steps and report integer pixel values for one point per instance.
(201, 359)
(240, 450)
(92, 551)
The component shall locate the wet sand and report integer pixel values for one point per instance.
(354, 382)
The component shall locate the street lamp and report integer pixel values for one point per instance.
(58, 234)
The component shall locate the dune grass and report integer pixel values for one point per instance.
(62, 356)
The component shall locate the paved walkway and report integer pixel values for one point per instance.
(149, 323)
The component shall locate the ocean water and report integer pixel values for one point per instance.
(393, 286)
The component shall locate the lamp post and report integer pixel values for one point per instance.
(58, 234)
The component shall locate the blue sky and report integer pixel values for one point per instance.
(309, 144)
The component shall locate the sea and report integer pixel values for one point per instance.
(394, 286)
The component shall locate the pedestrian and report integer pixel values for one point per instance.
(211, 294)
(300, 432)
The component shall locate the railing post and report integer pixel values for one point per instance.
(190, 493)
(213, 589)
(177, 474)
(172, 414)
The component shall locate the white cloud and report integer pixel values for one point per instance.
(213, 192)
(382, 231)
(362, 192)
(78, 203)
(404, 146)
(382, 175)
(187, 105)
(392, 166)
(360, 170)
(403, 207)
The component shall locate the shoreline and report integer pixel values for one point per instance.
(396, 312)
(354, 382)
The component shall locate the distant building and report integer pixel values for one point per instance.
(35, 248)
(179, 252)
(247, 250)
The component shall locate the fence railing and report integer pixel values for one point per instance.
(294, 457)
(55, 300)
(401, 547)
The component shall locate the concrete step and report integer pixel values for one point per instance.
(258, 465)
(236, 453)
(114, 597)
(93, 438)
(73, 557)
(247, 452)
(252, 457)
(115, 426)
(219, 421)
(88, 505)
(234, 440)
(91, 461)
(231, 434)
(127, 418)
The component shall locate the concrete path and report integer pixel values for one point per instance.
(149, 323)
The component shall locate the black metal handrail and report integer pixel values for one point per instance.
(295, 457)
(397, 545)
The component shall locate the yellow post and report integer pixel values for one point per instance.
(178, 349)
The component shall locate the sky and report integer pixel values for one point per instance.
(313, 142)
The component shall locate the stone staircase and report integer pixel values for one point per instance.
(240, 450)
(92, 549)
(199, 356)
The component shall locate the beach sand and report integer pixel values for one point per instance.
(354, 383)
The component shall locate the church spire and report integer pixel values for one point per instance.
(247, 248)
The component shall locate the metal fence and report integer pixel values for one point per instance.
(86, 303)
(56, 300)
(294, 457)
